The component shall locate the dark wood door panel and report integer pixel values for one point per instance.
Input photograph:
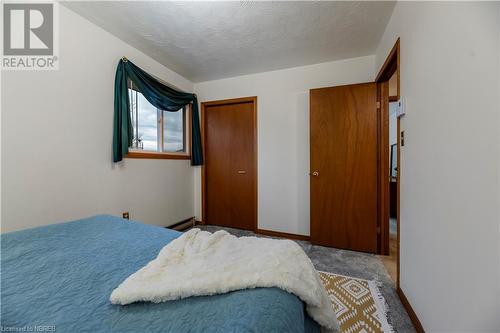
(230, 167)
(344, 142)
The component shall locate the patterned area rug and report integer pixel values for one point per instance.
(358, 304)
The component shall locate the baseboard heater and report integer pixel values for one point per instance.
(183, 225)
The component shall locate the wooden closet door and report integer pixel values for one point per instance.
(344, 143)
(230, 164)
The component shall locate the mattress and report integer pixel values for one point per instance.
(60, 277)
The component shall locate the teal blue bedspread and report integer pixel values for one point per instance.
(61, 276)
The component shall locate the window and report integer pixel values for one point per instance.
(157, 133)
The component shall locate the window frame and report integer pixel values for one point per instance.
(184, 155)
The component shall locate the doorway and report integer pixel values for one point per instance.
(347, 209)
(389, 81)
(229, 175)
(389, 259)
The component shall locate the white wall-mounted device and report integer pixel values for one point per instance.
(401, 108)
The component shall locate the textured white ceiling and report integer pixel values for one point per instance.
(211, 40)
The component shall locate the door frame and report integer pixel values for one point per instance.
(390, 67)
(204, 105)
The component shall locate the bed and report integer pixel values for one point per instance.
(61, 276)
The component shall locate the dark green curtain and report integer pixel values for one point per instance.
(160, 96)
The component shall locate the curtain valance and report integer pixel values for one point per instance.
(159, 95)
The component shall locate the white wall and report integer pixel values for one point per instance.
(450, 162)
(283, 133)
(57, 135)
(498, 94)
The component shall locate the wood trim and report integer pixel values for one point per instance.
(282, 234)
(383, 168)
(391, 66)
(411, 313)
(393, 98)
(251, 99)
(157, 155)
(256, 145)
(203, 170)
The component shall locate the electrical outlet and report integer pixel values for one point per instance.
(126, 215)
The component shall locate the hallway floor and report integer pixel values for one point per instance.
(350, 263)
(390, 262)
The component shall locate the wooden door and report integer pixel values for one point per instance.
(230, 171)
(344, 171)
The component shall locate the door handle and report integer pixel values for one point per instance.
(314, 174)
(241, 172)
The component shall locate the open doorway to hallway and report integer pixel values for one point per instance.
(390, 261)
(388, 79)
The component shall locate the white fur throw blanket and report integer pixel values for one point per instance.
(200, 263)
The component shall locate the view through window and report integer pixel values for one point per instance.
(154, 129)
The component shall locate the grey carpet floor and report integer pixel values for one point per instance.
(350, 263)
